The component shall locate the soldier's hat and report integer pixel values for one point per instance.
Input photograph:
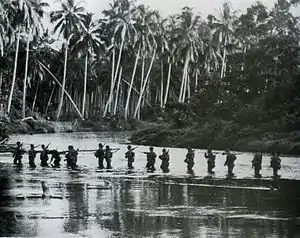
(129, 147)
(70, 147)
(151, 148)
(18, 142)
(164, 150)
(107, 146)
(31, 145)
(100, 145)
(42, 145)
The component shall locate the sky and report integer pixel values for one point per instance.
(167, 7)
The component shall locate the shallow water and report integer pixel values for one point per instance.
(141, 204)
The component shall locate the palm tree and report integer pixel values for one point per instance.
(188, 43)
(150, 25)
(32, 21)
(69, 19)
(89, 42)
(119, 19)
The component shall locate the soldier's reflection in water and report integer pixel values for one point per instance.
(78, 207)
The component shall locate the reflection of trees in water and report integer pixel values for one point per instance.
(139, 208)
(78, 207)
(12, 223)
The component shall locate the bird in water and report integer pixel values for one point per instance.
(44, 188)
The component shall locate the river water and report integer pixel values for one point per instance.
(119, 203)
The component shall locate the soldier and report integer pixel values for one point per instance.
(129, 155)
(18, 154)
(256, 164)
(151, 156)
(31, 156)
(108, 155)
(100, 155)
(71, 157)
(56, 157)
(210, 161)
(165, 161)
(275, 164)
(44, 156)
(190, 159)
(230, 158)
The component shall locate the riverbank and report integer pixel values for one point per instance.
(219, 137)
(37, 126)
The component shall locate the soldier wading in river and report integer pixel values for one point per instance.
(189, 159)
(108, 156)
(71, 157)
(151, 156)
(56, 158)
(165, 158)
(100, 155)
(44, 156)
(275, 164)
(129, 155)
(230, 158)
(31, 156)
(18, 154)
(210, 161)
(256, 164)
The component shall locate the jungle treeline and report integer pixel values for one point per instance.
(134, 63)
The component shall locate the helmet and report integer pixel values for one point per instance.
(164, 150)
(31, 145)
(129, 147)
(100, 145)
(18, 143)
(151, 148)
(107, 147)
(70, 147)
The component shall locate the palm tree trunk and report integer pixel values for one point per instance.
(35, 96)
(145, 84)
(15, 71)
(168, 84)
(162, 83)
(25, 76)
(67, 94)
(118, 89)
(141, 86)
(64, 80)
(131, 83)
(188, 87)
(196, 81)
(50, 99)
(184, 77)
(223, 70)
(1, 81)
(110, 98)
(85, 84)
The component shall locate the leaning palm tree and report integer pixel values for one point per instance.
(89, 42)
(69, 19)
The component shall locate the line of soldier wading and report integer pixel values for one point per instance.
(105, 154)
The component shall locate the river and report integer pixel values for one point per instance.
(119, 203)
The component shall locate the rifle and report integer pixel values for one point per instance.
(115, 150)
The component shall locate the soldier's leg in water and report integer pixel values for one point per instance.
(108, 162)
(129, 164)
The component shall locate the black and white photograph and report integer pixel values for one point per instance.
(150, 118)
